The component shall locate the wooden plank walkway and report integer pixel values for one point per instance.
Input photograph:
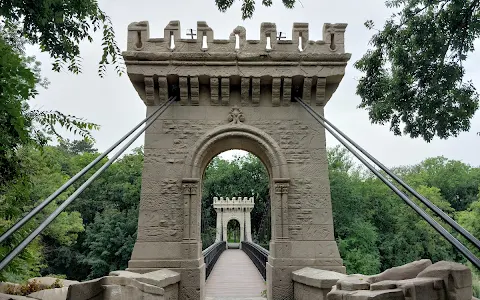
(234, 275)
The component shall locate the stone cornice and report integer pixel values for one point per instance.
(137, 57)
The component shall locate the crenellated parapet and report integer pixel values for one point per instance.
(234, 203)
(202, 70)
(203, 42)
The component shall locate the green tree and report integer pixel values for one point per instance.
(458, 182)
(374, 228)
(109, 209)
(470, 217)
(44, 177)
(57, 27)
(110, 240)
(414, 77)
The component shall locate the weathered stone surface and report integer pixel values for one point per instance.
(51, 294)
(4, 286)
(157, 285)
(407, 271)
(160, 278)
(419, 280)
(317, 278)
(461, 274)
(457, 278)
(13, 297)
(354, 283)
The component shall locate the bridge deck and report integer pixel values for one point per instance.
(234, 275)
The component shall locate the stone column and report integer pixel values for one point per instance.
(192, 283)
(225, 236)
(279, 281)
(218, 237)
(242, 231)
(280, 208)
(248, 225)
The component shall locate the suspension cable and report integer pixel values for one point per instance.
(424, 200)
(456, 243)
(72, 197)
(67, 184)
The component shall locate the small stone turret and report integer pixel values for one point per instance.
(236, 208)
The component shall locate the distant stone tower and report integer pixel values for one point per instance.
(233, 209)
(235, 94)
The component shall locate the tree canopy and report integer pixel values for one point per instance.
(414, 77)
(58, 27)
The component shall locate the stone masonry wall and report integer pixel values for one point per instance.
(302, 140)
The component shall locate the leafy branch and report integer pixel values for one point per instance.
(49, 119)
(58, 27)
(248, 6)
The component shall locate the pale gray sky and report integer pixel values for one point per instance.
(113, 103)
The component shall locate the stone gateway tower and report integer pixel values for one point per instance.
(235, 94)
(234, 208)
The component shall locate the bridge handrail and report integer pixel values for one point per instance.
(439, 228)
(211, 255)
(258, 255)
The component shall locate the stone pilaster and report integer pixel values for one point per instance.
(280, 208)
(189, 190)
(192, 283)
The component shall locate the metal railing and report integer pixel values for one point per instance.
(211, 255)
(258, 255)
(447, 235)
(149, 121)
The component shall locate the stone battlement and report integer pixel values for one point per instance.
(139, 40)
(235, 71)
(233, 200)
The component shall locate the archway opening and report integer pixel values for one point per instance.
(239, 177)
(233, 231)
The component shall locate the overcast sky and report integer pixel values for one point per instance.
(113, 103)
